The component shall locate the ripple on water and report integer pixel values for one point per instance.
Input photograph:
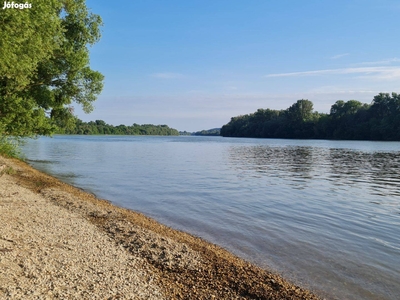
(324, 213)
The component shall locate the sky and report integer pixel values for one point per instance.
(194, 64)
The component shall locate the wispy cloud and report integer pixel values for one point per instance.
(167, 75)
(331, 89)
(376, 72)
(381, 62)
(339, 55)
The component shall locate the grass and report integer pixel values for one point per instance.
(9, 147)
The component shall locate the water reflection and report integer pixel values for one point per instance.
(335, 203)
(379, 171)
(273, 161)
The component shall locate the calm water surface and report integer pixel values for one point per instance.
(325, 214)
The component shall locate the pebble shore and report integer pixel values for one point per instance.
(59, 242)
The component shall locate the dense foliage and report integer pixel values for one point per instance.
(209, 132)
(101, 127)
(351, 120)
(44, 65)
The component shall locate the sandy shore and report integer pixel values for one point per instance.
(58, 242)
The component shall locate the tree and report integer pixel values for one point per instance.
(337, 109)
(384, 105)
(341, 108)
(301, 111)
(44, 66)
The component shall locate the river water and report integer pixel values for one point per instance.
(325, 214)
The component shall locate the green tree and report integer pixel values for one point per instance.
(341, 108)
(301, 111)
(384, 105)
(337, 109)
(44, 66)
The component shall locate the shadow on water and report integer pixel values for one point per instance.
(50, 167)
(41, 161)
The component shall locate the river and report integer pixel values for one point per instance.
(324, 214)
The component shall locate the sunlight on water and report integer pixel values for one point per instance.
(325, 214)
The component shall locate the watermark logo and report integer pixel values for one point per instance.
(17, 5)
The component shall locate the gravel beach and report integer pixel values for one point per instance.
(59, 242)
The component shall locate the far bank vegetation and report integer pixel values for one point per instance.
(101, 127)
(347, 120)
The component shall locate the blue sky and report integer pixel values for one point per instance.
(195, 64)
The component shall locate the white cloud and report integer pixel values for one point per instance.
(368, 72)
(339, 55)
(167, 75)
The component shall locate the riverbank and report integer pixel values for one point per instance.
(57, 241)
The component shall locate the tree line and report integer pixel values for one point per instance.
(347, 120)
(209, 132)
(101, 127)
